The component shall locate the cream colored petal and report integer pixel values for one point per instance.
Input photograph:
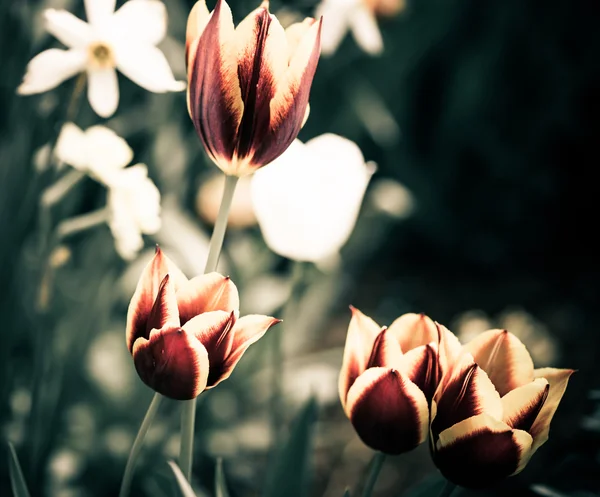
(365, 30)
(295, 33)
(50, 68)
(99, 12)
(452, 355)
(336, 23)
(71, 147)
(558, 380)
(414, 330)
(522, 405)
(103, 91)
(67, 28)
(106, 152)
(504, 358)
(140, 22)
(197, 20)
(386, 352)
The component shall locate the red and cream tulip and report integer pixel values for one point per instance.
(186, 336)
(248, 85)
(388, 378)
(492, 411)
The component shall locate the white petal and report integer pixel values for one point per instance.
(140, 21)
(103, 91)
(106, 152)
(336, 23)
(71, 146)
(301, 214)
(99, 12)
(50, 68)
(67, 28)
(365, 30)
(147, 66)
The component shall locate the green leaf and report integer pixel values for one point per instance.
(17, 481)
(347, 492)
(184, 485)
(220, 484)
(291, 471)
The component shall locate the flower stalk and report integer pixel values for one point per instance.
(188, 415)
(448, 489)
(376, 466)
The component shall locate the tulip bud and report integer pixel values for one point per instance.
(492, 410)
(388, 378)
(185, 336)
(248, 86)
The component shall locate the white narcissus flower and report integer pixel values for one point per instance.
(125, 40)
(134, 204)
(307, 201)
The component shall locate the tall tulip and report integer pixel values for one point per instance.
(388, 377)
(186, 336)
(248, 86)
(492, 411)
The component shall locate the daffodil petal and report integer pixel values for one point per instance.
(365, 30)
(50, 68)
(71, 147)
(67, 28)
(103, 91)
(141, 22)
(99, 12)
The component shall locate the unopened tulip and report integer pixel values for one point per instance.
(186, 336)
(388, 378)
(492, 411)
(248, 86)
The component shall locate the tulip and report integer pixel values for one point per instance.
(388, 378)
(186, 336)
(248, 86)
(492, 410)
(308, 200)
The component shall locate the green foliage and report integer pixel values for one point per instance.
(17, 480)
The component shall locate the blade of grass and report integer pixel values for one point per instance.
(17, 481)
(184, 485)
(220, 484)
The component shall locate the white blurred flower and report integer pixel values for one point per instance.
(97, 151)
(134, 204)
(392, 198)
(125, 40)
(307, 201)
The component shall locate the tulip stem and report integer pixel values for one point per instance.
(188, 414)
(448, 489)
(376, 466)
(137, 444)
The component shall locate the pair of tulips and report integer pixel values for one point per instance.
(484, 406)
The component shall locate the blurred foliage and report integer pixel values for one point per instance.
(487, 112)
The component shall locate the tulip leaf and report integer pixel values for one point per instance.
(291, 471)
(184, 485)
(220, 484)
(17, 481)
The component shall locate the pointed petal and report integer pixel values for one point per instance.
(386, 352)
(522, 405)
(365, 30)
(558, 380)
(103, 91)
(504, 358)
(362, 332)
(421, 367)
(336, 25)
(172, 362)
(147, 66)
(480, 451)
(413, 330)
(99, 12)
(214, 95)
(388, 411)
(246, 331)
(50, 68)
(451, 356)
(106, 153)
(145, 294)
(67, 28)
(295, 33)
(209, 292)
(141, 21)
(468, 393)
(71, 147)
(214, 330)
(164, 312)
(197, 21)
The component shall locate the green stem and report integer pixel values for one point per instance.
(448, 489)
(137, 444)
(188, 415)
(376, 465)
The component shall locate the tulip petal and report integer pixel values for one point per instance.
(246, 331)
(558, 380)
(214, 94)
(99, 12)
(209, 292)
(197, 20)
(504, 358)
(295, 33)
(172, 362)
(522, 405)
(164, 312)
(362, 332)
(103, 91)
(386, 352)
(214, 330)
(67, 28)
(421, 367)
(140, 21)
(469, 392)
(413, 330)
(388, 411)
(480, 451)
(50, 68)
(145, 294)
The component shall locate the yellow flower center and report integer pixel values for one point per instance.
(101, 56)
